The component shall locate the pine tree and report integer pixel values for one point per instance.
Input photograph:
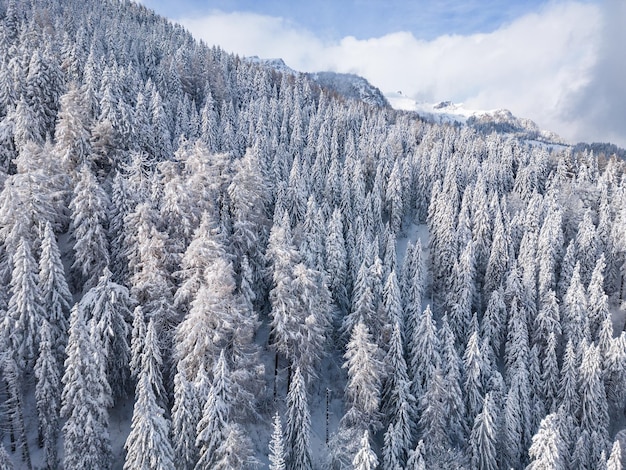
(397, 403)
(392, 302)
(55, 294)
(336, 261)
(364, 378)
(365, 459)
(493, 323)
(575, 312)
(106, 307)
(424, 352)
(206, 247)
(546, 451)
(86, 399)
(615, 459)
(148, 444)
(89, 207)
(474, 366)
(277, 445)
(594, 415)
(550, 375)
(72, 128)
(212, 427)
(185, 416)
(235, 452)
(432, 422)
(484, 437)
(5, 460)
(208, 326)
(24, 312)
(137, 342)
(461, 294)
(568, 389)
(392, 449)
(298, 450)
(48, 394)
(598, 300)
(454, 400)
(248, 196)
(417, 459)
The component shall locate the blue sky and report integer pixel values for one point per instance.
(558, 62)
(334, 19)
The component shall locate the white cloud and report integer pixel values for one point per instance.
(544, 65)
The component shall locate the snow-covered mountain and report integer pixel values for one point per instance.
(276, 63)
(351, 86)
(484, 121)
(346, 85)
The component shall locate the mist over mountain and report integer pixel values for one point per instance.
(209, 261)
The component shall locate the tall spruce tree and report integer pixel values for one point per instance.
(297, 442)
(148, 445)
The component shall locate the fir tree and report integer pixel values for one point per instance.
(598, 300)
(137, 341)
(424, 352)
(55, 294)
(474, 367)
(15, 406)
(86, 399)
(185, 416)
(575, 313)
(364, 378)
(493, 323)
(298, 450)
(392, 449)
(432, 422)
(24, 312)
(365, 459)
(550, 375)
(235, 451)
(615, 459)
(593, 405)
(106, 307)
(417, 459)
(568, 389)
(5, 459)
(277, 445)
(546, 451)
(484, 437)
(89, 207)
(148, 444)
(212, 428)
(454, 400)
(397, 403)
(48, 394)
(336, 261)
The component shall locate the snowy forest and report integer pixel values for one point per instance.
(208, 263)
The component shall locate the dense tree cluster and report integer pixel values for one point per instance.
(174, 219)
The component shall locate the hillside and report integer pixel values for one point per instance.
(215, 262)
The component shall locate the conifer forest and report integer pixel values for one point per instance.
(210, 263)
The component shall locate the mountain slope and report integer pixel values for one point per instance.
(192, 243)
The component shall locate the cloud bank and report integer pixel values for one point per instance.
(562, 66)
